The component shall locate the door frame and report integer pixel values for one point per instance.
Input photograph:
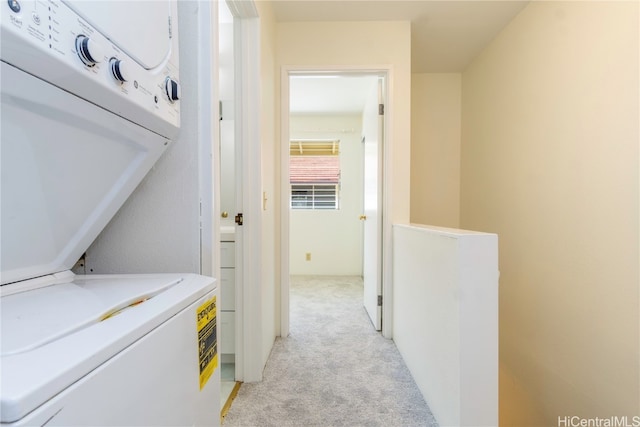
(247, 138)
(386, 196)
(208, 142)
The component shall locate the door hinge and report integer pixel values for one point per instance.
(170, 30)
(239, 219)
(381, 109)
(379, 300)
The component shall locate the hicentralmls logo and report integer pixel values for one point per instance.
(614, 421)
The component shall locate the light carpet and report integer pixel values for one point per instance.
(333, 369)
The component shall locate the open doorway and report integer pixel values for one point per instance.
(240, 335)
(228, 206)
(332, 179)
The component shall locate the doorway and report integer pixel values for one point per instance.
(332, 169)
(241, 179)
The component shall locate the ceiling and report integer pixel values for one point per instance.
(329, 94)
(445, 35)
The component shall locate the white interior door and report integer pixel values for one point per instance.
(249, 200)
(372, 126)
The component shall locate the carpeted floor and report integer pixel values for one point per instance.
(334, 369)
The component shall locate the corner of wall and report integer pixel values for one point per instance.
(436, 100)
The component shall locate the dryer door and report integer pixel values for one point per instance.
(142, 29)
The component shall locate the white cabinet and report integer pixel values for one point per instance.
(227, 284)
(228, 297)
(227, 254)
(228, 338)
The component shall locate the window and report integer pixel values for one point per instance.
(314, 174)
(314, 196)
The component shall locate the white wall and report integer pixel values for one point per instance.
(158, 228)
(332, 237)
(436, 115)
(550, 162)
(446, 320)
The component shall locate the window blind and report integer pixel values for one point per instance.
(314, 169)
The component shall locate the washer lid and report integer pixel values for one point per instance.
(142, 29)
(54, 336)
(35, 318)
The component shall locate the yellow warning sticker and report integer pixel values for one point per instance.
(207, 339)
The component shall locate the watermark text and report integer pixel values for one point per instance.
(613, 421)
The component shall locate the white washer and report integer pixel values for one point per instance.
(90, 100)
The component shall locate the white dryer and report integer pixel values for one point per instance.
(90, 99)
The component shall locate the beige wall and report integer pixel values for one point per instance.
(550, 162)
(435, 149)
(270, 300)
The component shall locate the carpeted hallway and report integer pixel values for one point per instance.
(334, 369)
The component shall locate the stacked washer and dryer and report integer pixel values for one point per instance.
(90, 101)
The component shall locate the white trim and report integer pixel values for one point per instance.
(208, 140)
(242, 8)
(285, 197)
(387, 203)
(387, 173)
(241, 309)
(239, 130)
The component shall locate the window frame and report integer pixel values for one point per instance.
(322, 193)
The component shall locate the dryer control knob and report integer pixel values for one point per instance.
(119, 70)
(89, 51)
(172, 89)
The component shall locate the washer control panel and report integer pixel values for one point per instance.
(47, 39)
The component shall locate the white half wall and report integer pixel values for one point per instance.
(445, 319)
(332, 237)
